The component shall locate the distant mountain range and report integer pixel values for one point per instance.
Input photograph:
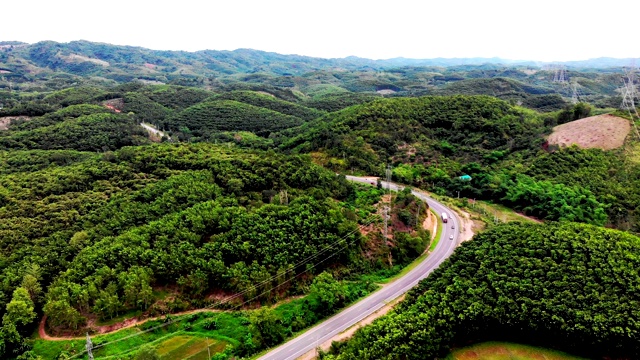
(83, 57)
(49, 65)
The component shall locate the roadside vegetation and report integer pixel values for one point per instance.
(100, 223)
(165, 228)
(507, 351)
(519, 282)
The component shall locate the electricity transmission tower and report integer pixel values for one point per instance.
(559, 73)
(630, 94)
(629, 91)
(576, 94)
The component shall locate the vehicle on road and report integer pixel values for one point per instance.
(444, 217)
(451, 237)
(453, 226)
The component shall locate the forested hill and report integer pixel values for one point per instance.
(167, 227)
(417, 130)
(118, 224)
(49, 65)
(568, 286)
(432, 141)
(83, 57)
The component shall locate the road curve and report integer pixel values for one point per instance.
(365, 307)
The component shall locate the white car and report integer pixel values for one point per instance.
(451, 237)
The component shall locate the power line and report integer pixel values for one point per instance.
(222, 301)
(576, 93)
(251, 288)
(629, 95)
(559, 73)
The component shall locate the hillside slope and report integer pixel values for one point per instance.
(603, 131)
(417, 130)
(523, 283)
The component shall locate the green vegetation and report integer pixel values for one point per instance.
(272, 103)
(507, 351)
(97, 223)
(417, 129)
(95, 236)
(71, 207)
(226, 115)
(327, 84)
(97, 132)
(241, 333)
(432, 141)
(610, 176)
(566, 286)
(176, 97)
(338, 101)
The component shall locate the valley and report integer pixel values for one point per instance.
(245, 204)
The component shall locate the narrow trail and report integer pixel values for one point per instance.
(129, 323)
(108, 329)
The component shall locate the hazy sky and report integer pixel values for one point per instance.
(543, 30)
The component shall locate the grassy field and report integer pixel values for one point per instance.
(185, 338)
(189, 347)
(181, 336)
(507, 351)
(502, 213)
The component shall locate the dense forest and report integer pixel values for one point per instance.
(568, 286)
(100, 218)
(96, 234)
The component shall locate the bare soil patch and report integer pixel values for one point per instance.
(115, 105)
(469, 226)
(431, 224)
(81, 58)
(106, 329)
(603, 131)
(6, 121)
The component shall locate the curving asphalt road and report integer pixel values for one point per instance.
(363, 308)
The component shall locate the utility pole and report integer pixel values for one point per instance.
(386, 218)
(89, 347)
(208, 350)
(388, 176)
(387, 207)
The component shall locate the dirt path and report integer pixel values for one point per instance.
(108, 329)
(128, 323)
(468, 226)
